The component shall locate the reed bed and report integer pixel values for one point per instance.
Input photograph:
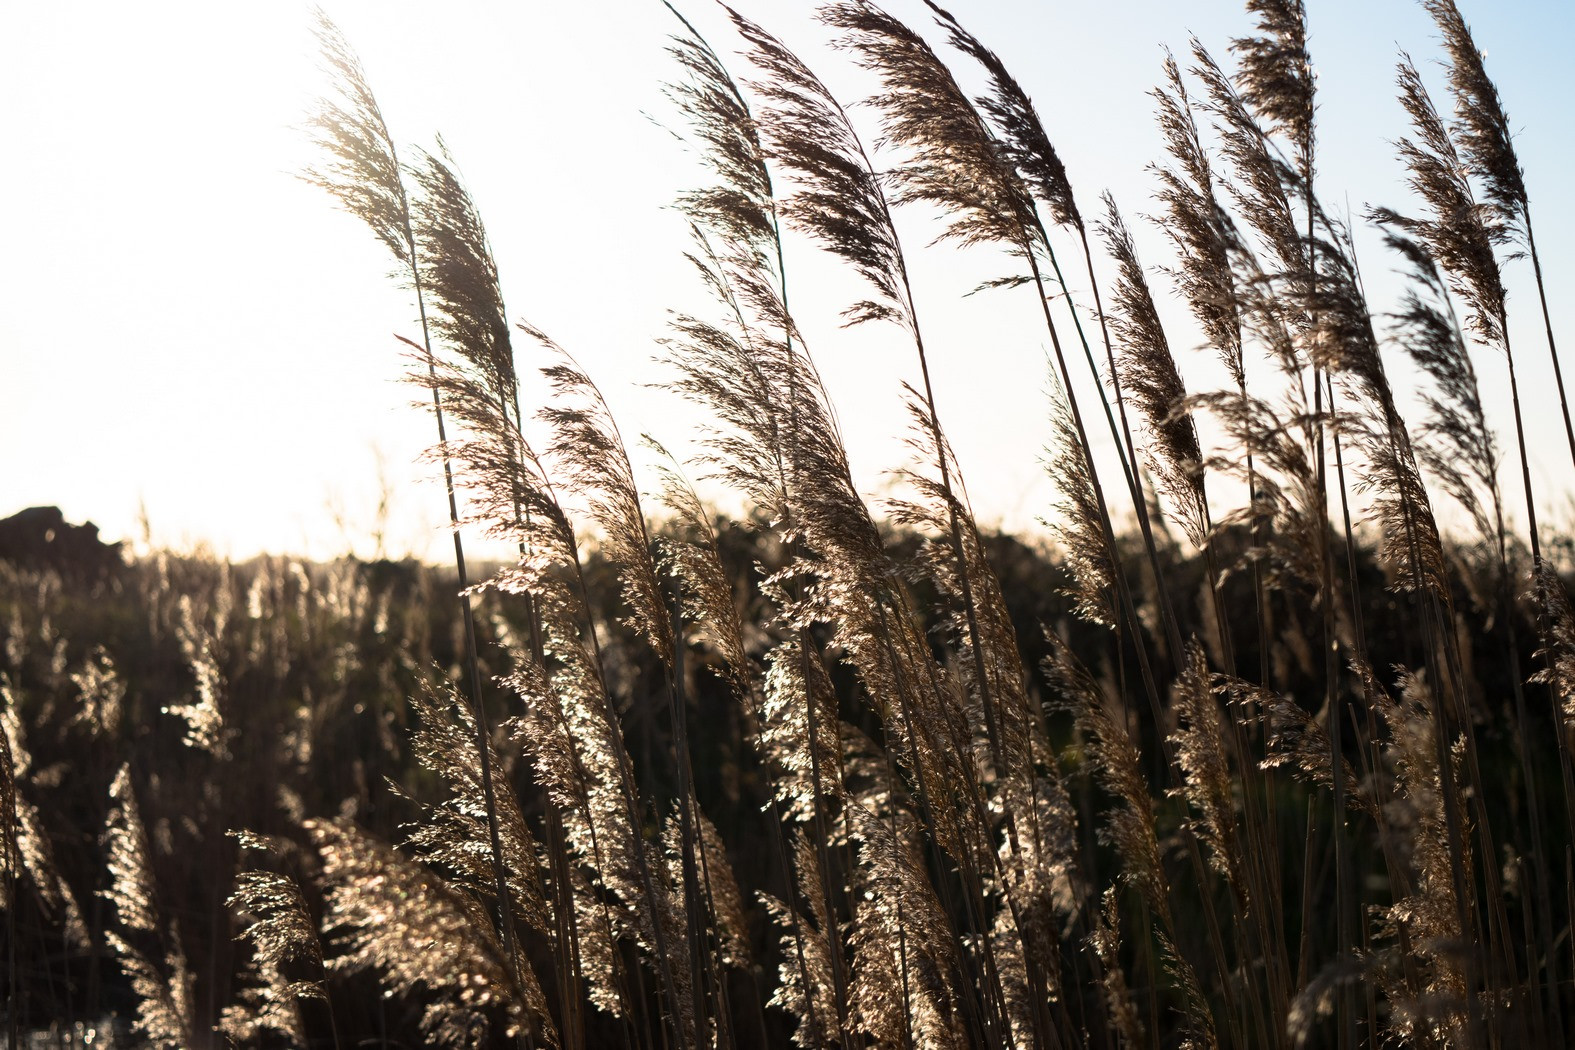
(1253, 751)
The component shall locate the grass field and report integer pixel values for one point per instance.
(1247, 751)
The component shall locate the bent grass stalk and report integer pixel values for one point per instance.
(364, 172)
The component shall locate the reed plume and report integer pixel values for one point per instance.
(1347, 349)
(573, 736)
(808, 973)
(749, 371)
(453, 834)
(591, 461)
(905, 968)
(838, 199)
(691, 555)
(204, 717)
(1207, 783)
(1460, 449)
(957, 165)
(103, 693)
(1022, 137)
(165, 1014)
(1482, 128)
(1432, 915)
(1114, 759)
(282, 930)
(398, 918)
(1460, 234)
(1294, 739)
(1197, 224)
(1276, 74)
(1022, 134)
(738, 207)
(1105, 944)
(855, 587)
(1558, 652)
(284, 940)
(1036, 850)
(1090, 559)
(129, 860)
(726, 899)
(1458, 445)
(1259, 183)
(1211, 251)
(359, 165)
(1154, 383)
(797, 692)
(462, 281)
(164, 1008)
(781, 705)
(27, 849)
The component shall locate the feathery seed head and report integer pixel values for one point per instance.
(1023, 136)
(360, 167)
(1276, 72)
(1481, 125)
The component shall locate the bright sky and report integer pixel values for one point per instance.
(188, 328)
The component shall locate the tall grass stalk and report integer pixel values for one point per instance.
(362, 170)
(751, 282)
(1026, 146)
(801, 116)
(1482, 130)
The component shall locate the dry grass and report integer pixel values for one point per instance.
(849, 776)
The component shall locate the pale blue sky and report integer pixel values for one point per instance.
(187, 326)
